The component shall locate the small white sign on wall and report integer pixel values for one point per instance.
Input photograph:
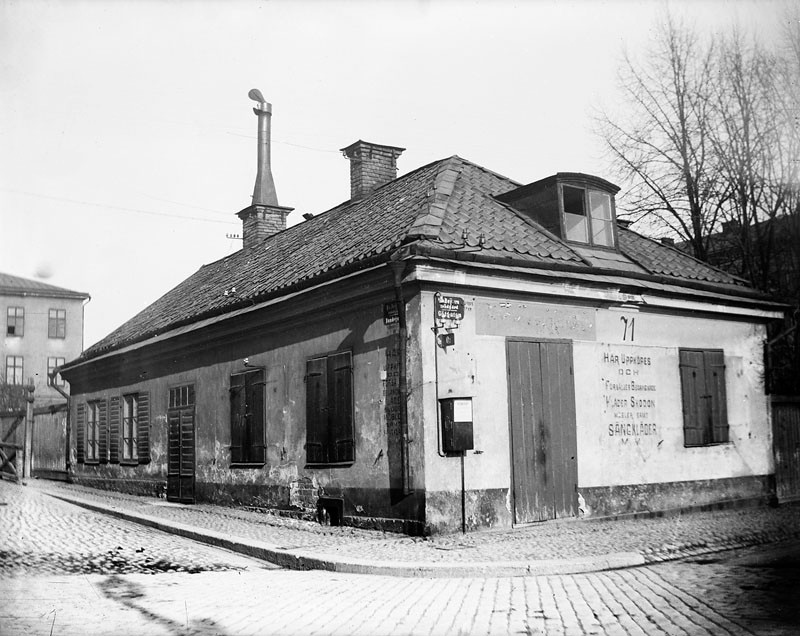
(462, 410)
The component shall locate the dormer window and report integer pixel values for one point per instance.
(577, 207)
(588, 216)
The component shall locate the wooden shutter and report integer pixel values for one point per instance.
(340, 405)
(316, 411)
(254, 399)
(113, 429)
(102, 416)
(80, 431)
(692, 394)
(715, 389)
(143, 429)
(238, 396)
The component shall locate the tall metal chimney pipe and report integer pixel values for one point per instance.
(264, 190)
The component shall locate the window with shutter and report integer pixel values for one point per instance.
(329, 410)
(143, 428)
(113, 430)
(80, 432)
(705, 416)
(247, 395)
(92, 453)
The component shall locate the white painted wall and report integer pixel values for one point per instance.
(476, 367)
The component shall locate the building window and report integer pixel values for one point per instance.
(181, 396)
(15, 323)
(705, 415)
(329, 410)
(93, 432)
(130, 427)
(588, 216)
(247, 418)
(57, 323)
(14, 370)
(52, 365)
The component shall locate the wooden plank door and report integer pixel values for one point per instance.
(786, 442)
(181, 456)
(544, 467)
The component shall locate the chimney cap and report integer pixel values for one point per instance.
(357, 145)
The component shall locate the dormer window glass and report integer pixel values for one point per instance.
(588, 217)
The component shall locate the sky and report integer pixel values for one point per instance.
(128, 142)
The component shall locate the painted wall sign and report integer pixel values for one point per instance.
(448, 308)
(506, 318)
(630, 394)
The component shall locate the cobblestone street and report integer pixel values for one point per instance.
(66, 570)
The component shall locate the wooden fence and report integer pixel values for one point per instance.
(47, 437)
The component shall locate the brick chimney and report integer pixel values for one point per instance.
(371, 166)
(264, 217)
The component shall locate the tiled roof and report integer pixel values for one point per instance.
(17, 286)
(669, 261)
(449, 203)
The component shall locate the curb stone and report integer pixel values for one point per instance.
(298, 560)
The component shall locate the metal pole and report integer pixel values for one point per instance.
(463, 497)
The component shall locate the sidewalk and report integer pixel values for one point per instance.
(556, 547)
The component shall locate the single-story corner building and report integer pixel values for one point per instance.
(446, 348)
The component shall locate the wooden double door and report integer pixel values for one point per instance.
(544, 466)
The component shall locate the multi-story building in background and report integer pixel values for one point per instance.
(42, 329)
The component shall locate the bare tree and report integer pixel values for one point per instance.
(661, 146)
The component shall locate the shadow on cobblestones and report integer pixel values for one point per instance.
(129, 594)
(117, 561)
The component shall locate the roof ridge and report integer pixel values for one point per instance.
(429, 222)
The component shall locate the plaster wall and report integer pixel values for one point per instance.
(629, 409)
(370, 487)
(619, 443)
(35, 346)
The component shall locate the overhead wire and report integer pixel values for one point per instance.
(118, 207)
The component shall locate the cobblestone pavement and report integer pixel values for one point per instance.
(42, 534)
(49, 586)
(656, 539)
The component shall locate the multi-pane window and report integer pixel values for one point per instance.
(705, 415)
(247, 418)
(93, 431)
(15, 321)
(181, 396)
(57, 323)
(329, 410)
(588, 216)
(52, 365)
(14, 370)
(130, 426)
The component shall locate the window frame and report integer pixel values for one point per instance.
(331, 411)
(248, 418)
(181, 396)
(52, 364)
(56, 324)
(17, 321)
(588, 189)
(702, 377)
(92, 433)
(129, 429)
(11, 370)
